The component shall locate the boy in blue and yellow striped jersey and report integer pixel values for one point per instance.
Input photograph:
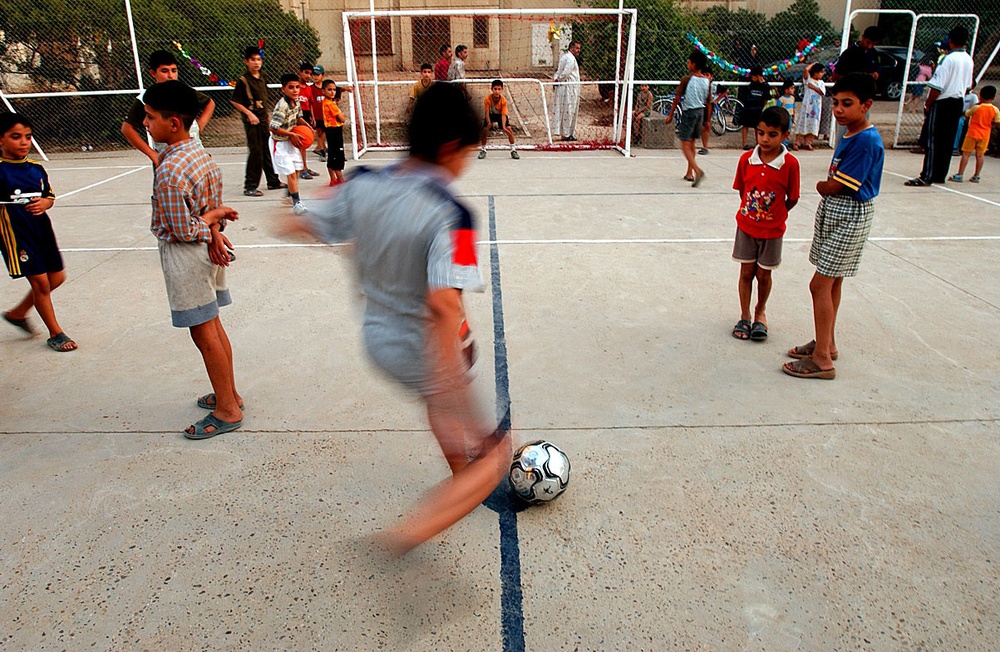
(26, 237)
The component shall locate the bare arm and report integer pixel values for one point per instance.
(206, 114)
(832, 187)
(251, 118)
(136, 140)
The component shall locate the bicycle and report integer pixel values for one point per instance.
(724, 111)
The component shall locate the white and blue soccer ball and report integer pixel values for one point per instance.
(539, 472)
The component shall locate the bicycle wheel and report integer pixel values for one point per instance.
(732, 108)
(718, 121)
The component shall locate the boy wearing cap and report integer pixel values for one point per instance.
(188, 220)
(317, 111)
(307, 93)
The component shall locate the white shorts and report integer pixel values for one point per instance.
(285, 157)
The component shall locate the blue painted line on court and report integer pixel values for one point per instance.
(502, 501)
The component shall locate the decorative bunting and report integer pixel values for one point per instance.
(775, 69)
(212, 77)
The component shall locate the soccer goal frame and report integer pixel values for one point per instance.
(368, 123)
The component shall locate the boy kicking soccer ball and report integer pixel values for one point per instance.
(415, 253)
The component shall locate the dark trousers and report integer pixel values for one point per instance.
(259, 158)
(942, 125)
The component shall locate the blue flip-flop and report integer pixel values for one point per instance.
(758, 331)
(217, 423)
(203, 401)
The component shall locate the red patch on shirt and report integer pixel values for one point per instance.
(464, 246)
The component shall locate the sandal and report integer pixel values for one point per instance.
(19, 323)
(806, 351)
(253, 192)
(806, 368)
(200, 432)
(279, 186)
(917, 183)
(60, 342)
(741, 330)
(203, 401)
(758, 331)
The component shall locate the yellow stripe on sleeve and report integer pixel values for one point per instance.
(850, 182)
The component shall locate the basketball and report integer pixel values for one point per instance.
(306, 134)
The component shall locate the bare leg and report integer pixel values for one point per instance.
(823, 289)
(687, 146)
(212, 342)
(763, 292)
(980, 159)
(963, 163)
(747, 274)
(41, 298)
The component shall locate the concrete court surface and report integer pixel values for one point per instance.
(715, 503)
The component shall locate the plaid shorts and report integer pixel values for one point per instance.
(839, 234)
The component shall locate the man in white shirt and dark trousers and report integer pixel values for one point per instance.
(944, 108)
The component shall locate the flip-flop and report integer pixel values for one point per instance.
(917, 183)
(253, 192)
(203, 401)
(19, 323)
(217, 423)
(806, 351)
(277, 187)
(741, 330)
(59, 341)
(697, 179)
(806, 368)
(758, 331)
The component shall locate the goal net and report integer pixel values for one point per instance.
(522, 47)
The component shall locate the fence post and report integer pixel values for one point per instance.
(135, 46)
(33, 140)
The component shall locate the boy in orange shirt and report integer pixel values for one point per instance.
(333, 120)
(496, 113)
(981, 117)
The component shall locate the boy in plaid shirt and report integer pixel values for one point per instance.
(188, 220)
(843, 221)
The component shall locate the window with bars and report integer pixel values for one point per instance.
(361, 35)
(480, 31)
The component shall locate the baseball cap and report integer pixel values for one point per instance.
(318, 70)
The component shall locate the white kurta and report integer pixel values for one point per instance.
(567, 97)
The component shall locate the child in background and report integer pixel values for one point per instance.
(334, 120)
(807, 124)
(495, 108)
(843, 221)
(421, 85)
(415, 255)
(307, 93)
(284, 143)
(695, 90)
(706, 129)
(925, 70)
(27, 241)
(768, 182)
(317, 110)
(250, 99)
(754, 96)
(786, 100)
(981, 119)
(969, 102)
(643, 107)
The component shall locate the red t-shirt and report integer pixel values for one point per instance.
(764, 190)
(441, 69)
(306, 97)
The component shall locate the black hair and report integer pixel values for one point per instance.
(441, 115)
(698, 58)
(305, 65)
(496, 82)
(443, 48)
(856, 83)
(251, 51)
(988, 92)
(161, 58)
(289, 77)
(786, 84)
(460, 48)
(426, 66)
(173, 99)
(815, 68)
(756, 71)
(10, 120)
(327, 82)
(872, 33)
(959, 35)
(776, 117)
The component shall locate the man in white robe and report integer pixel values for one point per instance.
(567, 96)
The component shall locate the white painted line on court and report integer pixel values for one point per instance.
(625, 241)
(99, 183)
(940, 186)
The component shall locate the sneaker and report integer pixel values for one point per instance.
(321, 153)
(514, 155)
(956, 177)
(482, 154)
(974, 179)
(703, 151)
(299, 208)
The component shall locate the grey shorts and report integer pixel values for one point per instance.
(690, 125)
(839, 235)
(196, 287)
(765, 252)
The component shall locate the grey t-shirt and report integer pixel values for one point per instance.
(411, 236)
(696, 93)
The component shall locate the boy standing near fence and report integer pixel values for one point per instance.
(753, 96)
(250, 99)
(162, 67)
(696, 109)
(843, 221)
(188, 220)
(27, 241)
(981, 119)
(284, 143)
(333, 119)
(495, 109)
(767, 179)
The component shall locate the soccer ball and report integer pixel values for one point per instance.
(539, 472)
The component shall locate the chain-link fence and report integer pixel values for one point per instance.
(72, 68)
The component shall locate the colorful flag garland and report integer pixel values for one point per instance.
(212, 77)
(775, 69)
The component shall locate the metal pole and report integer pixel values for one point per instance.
(378, 121)
(988, 63)
(33, 140)
(135, 45)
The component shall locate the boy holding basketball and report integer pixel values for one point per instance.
(768, 181)
(188, 220)
(843, 221)
(415, 254)
(495, 105)
(284, 144)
